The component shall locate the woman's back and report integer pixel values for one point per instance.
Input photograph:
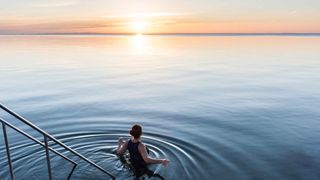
(135, 156)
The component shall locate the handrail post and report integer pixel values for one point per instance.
(8, 150)
(48, 157)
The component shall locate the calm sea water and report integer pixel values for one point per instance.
(218, 107)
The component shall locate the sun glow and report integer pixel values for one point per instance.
(139, 26)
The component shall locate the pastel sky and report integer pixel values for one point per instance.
(159, 16)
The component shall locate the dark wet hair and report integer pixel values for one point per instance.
(136, 131)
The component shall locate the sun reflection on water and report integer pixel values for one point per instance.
(140, 44)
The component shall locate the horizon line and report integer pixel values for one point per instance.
(195, 34)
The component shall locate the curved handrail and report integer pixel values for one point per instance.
(54, 139)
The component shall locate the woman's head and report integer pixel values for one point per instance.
(136, 131)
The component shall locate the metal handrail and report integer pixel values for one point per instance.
(5, 123)
(54, 139)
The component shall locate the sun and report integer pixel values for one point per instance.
(139, 26)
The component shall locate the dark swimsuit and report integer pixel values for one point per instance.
(140, 167)
(135, 156)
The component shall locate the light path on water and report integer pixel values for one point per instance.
(228, 107)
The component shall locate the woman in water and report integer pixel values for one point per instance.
(138, 152)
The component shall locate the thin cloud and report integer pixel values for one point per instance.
(63, 26)
(144, 15)
(55, 4)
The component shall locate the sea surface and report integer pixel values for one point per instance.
(218, 107)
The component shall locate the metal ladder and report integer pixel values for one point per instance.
(46, 137)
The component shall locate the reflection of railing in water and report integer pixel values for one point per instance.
(45, 144)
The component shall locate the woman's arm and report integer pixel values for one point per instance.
(143, 151)
(122, 146)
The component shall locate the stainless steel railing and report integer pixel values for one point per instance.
(47, 148)
(46, 136)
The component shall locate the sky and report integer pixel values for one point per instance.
(154, 16)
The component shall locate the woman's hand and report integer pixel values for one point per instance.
(122, 146)
(165, 162)
(121, 141)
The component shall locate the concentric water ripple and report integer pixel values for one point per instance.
(100, 147)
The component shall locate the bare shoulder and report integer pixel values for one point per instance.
(142, 145)
(142, 149)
